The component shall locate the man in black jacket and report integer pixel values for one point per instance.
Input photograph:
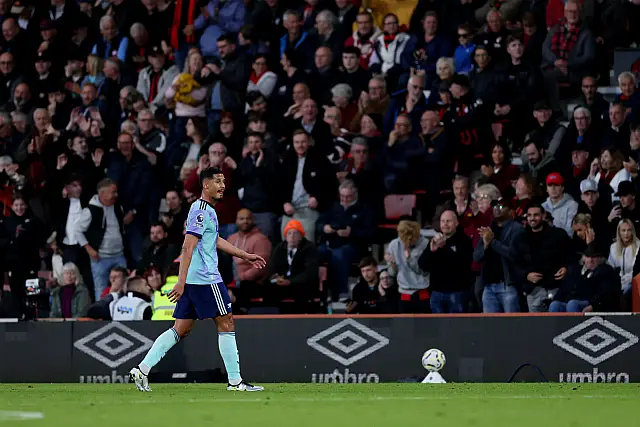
(543, 253)
(232, 76)
(596, 290)
(293, 268)
(345, 229)
(158, 252)
(448, 260)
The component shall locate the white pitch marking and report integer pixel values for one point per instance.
(20, 416)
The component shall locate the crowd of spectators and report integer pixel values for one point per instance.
(316, 111)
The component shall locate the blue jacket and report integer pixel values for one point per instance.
(437, 48)
(357, 216)
(462, 57)
(231, 17)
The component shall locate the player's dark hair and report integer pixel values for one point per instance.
(209, 173)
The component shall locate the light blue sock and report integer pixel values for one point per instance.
(160, 347)
(230, 356)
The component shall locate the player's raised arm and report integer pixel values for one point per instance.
(256, 260)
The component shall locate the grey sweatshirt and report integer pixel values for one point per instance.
(409, 276)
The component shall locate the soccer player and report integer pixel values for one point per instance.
(200, 292)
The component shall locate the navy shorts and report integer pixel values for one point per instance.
(203, 302)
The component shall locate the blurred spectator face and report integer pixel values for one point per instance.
(516, 49)
(532, 153)
(322, 25)
(542, 116)
(48, 35)
(534, 218)
(626, 233)
(149, 4)
(606, 161)
(430, 25)
(110, 70)
(501, 212)
(300, 93)
(19, 207)
(340, 101)
(259, 104)
(367, 125)
(217, 154)
(415, 87)
(254, 144)
(448, 223)
(6, 63)
(497, 155)
(9, 29)
(292, 24)
(154, 279)
(376, 90)
(369, 273)
(347, 197)
(88, 95)
(157, 61)
(19, 122)
(293, 238)
(140, 36)
(80, 146)
(195, 63)
(260, 65)
(173, 200)
(271, 3)
(42, 67)
(4, 7)
(95, 129)
(484, 202)
(494, 22)
(579, 158)
(572, 13)
(22, 94)
(555, 191)
(589, 87)
(341, 4)
(225, 48)
(191, 128)
(350, 61)
(365, 24)
(41, 119)
(108, 195)
(284, 61)
(59, 96)
(616, 115)
(457, 91)
(582, 121)
(359, 154)
(323, 58)
(258, 126)
(460, 189)
(386, 281)
(145, 122)
(580, 230)
(444, 71)
(627, 200)
(244, 220)
(482, 58)
(522, 189)
(429, 122)
(309, 110)
(116, 280)
(590, 198)
(626, 86)
(463, 36)
(125, 145)
(591, 263)
(108, 30)
(69, 277)
(157, 234)
(301, 144)
(124, 93)
(226, 126)
(403, 127)
(390, 24)
(74, 189)
(634, 140)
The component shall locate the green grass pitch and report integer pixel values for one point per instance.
(331, 405)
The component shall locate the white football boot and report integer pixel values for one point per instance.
(244, 386)
(140, 379)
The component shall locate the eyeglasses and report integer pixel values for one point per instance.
(260, 63)
(463, 35)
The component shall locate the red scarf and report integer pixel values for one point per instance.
(256, 77)
(177, 19)
(564, 39)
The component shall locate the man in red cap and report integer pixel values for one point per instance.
(559, 204)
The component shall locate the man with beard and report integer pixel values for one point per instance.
(158, 252)
(539, 162)
(593, 100)
(548, 129)
(543, 253)
(21, 101)
(495, 251)
(10, 77)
